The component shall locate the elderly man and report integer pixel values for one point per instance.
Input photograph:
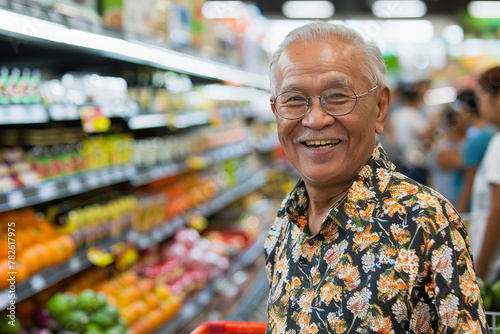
(356, 247)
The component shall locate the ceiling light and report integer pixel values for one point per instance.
(223, 9)
(484, 9)
(437, 96)
(308, 9)
(390, 9)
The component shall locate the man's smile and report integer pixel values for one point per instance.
(321, 144)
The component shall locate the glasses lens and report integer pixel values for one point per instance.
(338, 101)
(291, 104)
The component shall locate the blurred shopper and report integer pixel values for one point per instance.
(409, 123)
(485, 212)
(445, 155)
(479, 133)
(356, 247)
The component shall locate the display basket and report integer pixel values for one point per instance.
(230, 327)
(493, 321)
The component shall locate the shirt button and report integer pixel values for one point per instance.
(310, 242)
(302, 260)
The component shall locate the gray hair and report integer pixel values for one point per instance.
(374, 68)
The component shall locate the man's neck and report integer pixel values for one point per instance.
(320, 202)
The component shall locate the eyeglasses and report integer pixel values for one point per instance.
(337, 101)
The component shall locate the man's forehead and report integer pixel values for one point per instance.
(335, 54)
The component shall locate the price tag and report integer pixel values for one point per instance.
(16, 199)
(104, 177)
(133, 236)
(72, 112)
(4, 115)
(158, 236)
(75, 265)
(168, 230)
(17, 114)
(57, 112)
(37, 283)
(145, 243)
(47, 191)
(189, 310)
(204, 297)
(92, 180)
(37, 113)
(74, 185)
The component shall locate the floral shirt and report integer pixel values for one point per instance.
(392, 256)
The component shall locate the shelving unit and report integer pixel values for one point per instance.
(136, 175)
(52, 36)
(202, 299)
(80, 261)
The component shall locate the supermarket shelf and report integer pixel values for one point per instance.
(202, 299)
(85, 181)
(227, 197)
(23, 114)
(73, 33)
(38, 113)
(146, 175)
(72, 185)
(80, 262)
(52, 275)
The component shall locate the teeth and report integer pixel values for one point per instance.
(321, 142)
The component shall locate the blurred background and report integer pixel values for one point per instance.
(139, 164)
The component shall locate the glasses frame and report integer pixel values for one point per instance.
(308, 104)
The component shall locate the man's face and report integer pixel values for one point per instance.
(349, 140)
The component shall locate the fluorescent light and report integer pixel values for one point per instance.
(308, 9)
(453, 34)
(126, 50)
(398, 31)
(437, 96)
(390, 9)
(484, 9)
(223, 9)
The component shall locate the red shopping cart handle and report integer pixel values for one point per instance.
(230, 327)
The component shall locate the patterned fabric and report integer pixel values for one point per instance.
(391, 257)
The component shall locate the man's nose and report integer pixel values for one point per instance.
(316, 117)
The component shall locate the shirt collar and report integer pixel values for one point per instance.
(358, 206)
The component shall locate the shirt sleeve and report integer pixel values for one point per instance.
(456, 295)
(475, 149)
(492, 160)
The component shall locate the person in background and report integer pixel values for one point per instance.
(484, 227)
(356, 247)
(445, 155)
(479, 133)
(409, 123)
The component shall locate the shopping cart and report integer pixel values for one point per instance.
(493, 321)
(230, 327)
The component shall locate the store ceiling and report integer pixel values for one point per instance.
(350, 7)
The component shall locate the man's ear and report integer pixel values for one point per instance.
(383, 103)
(273, 107)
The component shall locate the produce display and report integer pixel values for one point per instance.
(37, 245)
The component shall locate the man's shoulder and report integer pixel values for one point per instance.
(421, 204)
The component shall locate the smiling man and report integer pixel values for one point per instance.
(356, 247)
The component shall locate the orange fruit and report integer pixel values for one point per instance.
(151, 300)
(128, 295)
(4, 269)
